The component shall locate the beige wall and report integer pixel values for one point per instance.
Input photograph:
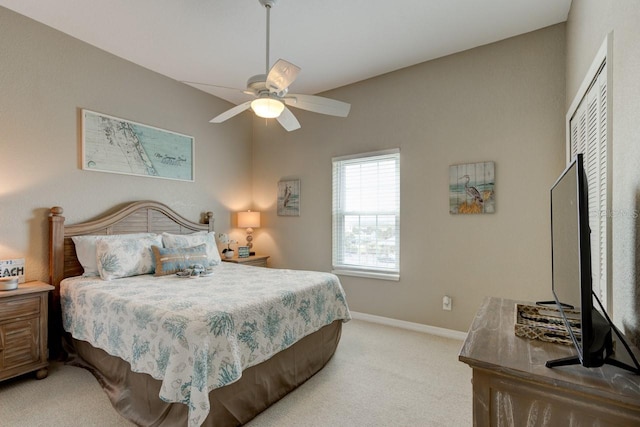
(588, 24)
(503, 102)
(45, 78)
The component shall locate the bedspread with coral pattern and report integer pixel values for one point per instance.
(199, 334)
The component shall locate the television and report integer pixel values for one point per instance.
(590, 330)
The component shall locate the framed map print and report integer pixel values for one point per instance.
(111, 144)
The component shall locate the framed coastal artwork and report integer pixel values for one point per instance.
(112, 144)
(472, 188)
(289, 197)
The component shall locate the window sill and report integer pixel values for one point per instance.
(368, 274)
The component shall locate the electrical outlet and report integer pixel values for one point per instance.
(447, 303)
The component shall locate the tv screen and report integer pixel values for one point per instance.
(570, 246)
(591, 330)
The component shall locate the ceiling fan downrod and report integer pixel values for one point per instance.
(268, 4)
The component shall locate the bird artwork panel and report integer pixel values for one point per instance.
(472, 188)
(289, 198)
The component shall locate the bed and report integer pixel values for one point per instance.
(168, 351)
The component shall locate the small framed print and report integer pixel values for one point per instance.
(472, 188)
(243, 251)
(289, 198)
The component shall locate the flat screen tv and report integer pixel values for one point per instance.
(591, 330)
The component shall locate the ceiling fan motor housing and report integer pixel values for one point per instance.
(257, 82)
(258, 86)
(268, 3)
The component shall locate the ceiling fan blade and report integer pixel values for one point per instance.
(230, 113)
(288, 120)
(210, 85)
(281, 75)
(318, 104)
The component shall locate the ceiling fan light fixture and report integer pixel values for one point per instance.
(267, 108)
(271, 91)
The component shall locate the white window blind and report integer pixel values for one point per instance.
(588, 135)
(366, 215)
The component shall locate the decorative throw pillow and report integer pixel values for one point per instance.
(126, 257)
(195, 239)
(172, 260)
(86, 249)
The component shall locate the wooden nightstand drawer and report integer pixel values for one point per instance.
(10, 308)
(254, 260)
(23, 330)
(257, 263)
(19, 343)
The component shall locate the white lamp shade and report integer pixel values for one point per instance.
(267, 108)
(248, 219)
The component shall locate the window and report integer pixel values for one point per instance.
(587, 122)
(366, 215)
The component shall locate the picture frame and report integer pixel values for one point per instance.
(115, 145)
(472, 188)
(243, 251)
(289, 197)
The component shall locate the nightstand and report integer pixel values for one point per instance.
(255, 260)
(23, 330)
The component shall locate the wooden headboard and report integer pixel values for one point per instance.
(136, 217)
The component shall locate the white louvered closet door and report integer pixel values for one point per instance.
(588, 135)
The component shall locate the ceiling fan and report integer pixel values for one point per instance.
(271, 92)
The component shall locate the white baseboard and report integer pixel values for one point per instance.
(417, 327)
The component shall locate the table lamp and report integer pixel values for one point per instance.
(249, 220)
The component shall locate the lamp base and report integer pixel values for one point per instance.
(250, 240)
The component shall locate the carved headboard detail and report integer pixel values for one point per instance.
(137, 217)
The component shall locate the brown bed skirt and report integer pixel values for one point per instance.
(135, 395)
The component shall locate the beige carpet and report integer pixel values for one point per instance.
(379, 376)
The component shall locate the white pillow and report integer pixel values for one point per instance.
(126, 256)
(86, 249)
(194, 239)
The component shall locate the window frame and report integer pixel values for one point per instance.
(338, 218)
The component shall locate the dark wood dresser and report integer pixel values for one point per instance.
(512, 386)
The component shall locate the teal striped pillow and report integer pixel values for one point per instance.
(172, 260)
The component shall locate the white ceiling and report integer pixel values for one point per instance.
(335, 42)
